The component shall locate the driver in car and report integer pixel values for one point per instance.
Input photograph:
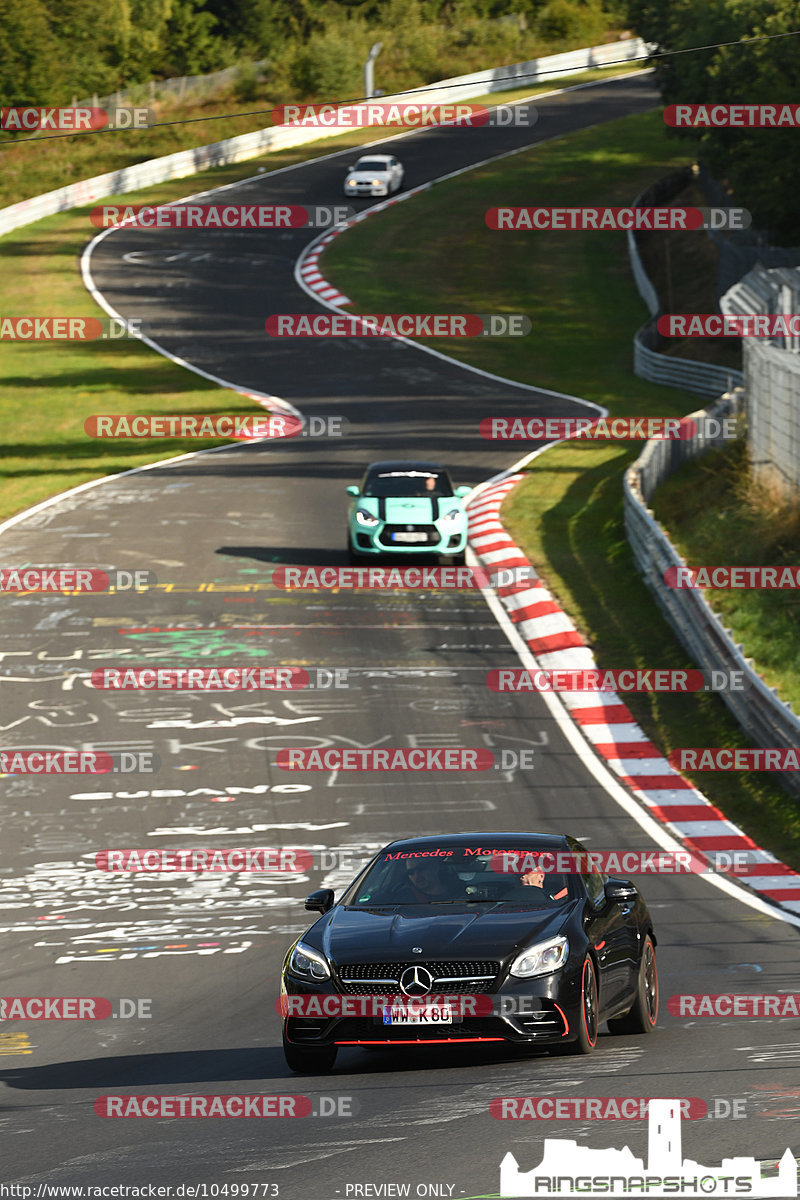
(536, 879)
(427, 881)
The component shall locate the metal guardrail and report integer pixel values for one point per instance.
(278, 137)
(704, 379)
(764, 717)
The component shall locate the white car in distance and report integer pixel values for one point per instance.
(374, 175)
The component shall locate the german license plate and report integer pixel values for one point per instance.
(418, 1014)
(409, 537)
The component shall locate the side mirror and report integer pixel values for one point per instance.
(463, 491)
(618, 891)
(321, 901)
(350, 168)
(352, 490)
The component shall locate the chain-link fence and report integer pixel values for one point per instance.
(772, 377)
(196, 86)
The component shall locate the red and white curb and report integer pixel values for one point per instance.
(307, 270)
(607, 723)
(312, 276)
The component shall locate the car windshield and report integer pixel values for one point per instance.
(408, 483)
(462, 875)
(371, 164)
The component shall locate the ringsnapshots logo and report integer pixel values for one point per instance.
(220, 216)
(567, 1169)
(69, 329)
(402, 114)
(393, 325)
(633, 218)
(74, 119)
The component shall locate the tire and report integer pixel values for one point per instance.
(644, 1013)
(309, 1060)
(353, 557)
(588, 1023)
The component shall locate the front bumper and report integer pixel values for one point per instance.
(366, 189)
(530, 1012)
(440, 540)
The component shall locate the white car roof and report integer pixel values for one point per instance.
(376, 157)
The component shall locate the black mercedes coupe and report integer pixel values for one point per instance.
(470, 937)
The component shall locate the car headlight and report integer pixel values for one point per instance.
(451, 516)
(541, 959)
(366, 519)
(306, 963)
(378, 182)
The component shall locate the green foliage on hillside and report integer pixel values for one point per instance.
(760, 165)
(54, 50)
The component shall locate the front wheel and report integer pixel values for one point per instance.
(587, 1020)
(309, 1060)
(644, 1012)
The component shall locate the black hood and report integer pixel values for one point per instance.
(349, 935)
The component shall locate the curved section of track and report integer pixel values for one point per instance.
(207, 950)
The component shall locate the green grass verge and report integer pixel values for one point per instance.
(717, 516)
(438, 256)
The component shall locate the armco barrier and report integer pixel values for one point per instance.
(276, 137)
(704, 379)
(766, 719)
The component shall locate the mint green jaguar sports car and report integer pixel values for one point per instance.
(407, 507)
